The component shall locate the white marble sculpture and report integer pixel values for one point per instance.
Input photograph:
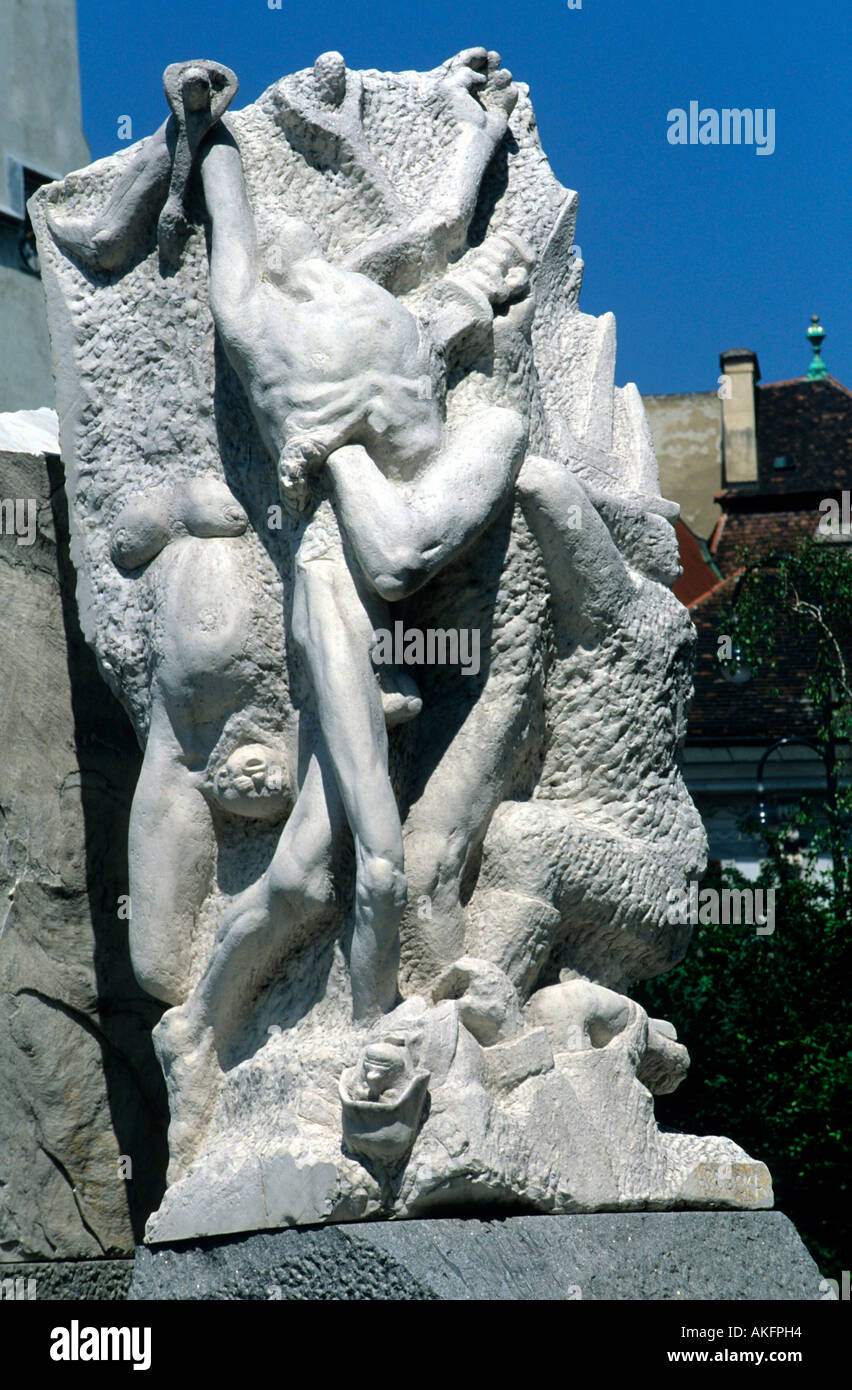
(321, 373)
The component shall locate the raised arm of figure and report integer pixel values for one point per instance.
(477, 96)
(155, 179)
(586, 570)
(234, 259)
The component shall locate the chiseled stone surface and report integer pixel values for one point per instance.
(639, 1255)
(322, 380)
(78, 1080)
(69, 1280)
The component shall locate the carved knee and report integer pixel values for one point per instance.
(298, 888)
(381, 884)
(542, 480)
(435, 864)
(159, 977)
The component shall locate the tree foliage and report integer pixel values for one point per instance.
(805, 597)
(767, 1018)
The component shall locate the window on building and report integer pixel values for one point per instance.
(22, 183)
(27, 248)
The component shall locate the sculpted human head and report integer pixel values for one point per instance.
(293, 242)
(330, 78)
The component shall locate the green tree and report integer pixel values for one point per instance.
(801, 603)
(766, 1018)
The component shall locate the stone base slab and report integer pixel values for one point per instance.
(45, 1281)
(676, 1255)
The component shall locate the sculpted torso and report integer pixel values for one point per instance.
(336, 359)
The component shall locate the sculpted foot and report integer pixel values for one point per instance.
(481, 93)
(380, 895)
(87, 241)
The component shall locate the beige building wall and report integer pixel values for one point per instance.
(687, 434)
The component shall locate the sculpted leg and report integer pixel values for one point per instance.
(273, 918)
(558, 891)
(586, 571)
(234, 266)
(446, 826)
(473, 92)
(481, 96)
(331, 624)
(172, 849)
(401, 541)
(330, 111)
(478, 96)
(263, 927)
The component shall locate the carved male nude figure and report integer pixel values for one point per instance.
(339, 373)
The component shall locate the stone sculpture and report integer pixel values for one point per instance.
(321, 367)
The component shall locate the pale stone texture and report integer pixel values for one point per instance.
(29, 431)
(78, 1080)
(386, 339)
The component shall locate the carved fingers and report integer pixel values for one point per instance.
(500, 268)
(300, 460)
(481, 92)
(199, 93)
(294, 485)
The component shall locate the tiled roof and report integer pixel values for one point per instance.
(769, 706)
(750, 713)
(699, 574)
(810, 421)
(765, 532)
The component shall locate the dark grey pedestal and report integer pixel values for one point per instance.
(48, 1280)
(625, 1255)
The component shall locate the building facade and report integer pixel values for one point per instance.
(41, 138)
(780, 451)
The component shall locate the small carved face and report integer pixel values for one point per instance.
(253, 782)
(384, 1065)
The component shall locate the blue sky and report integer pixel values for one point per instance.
(695, 248)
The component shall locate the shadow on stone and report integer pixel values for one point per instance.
(109, 760)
